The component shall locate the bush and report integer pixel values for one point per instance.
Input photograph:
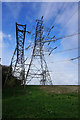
(12, 81)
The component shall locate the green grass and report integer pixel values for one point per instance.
(37, 103)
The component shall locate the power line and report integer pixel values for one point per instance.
(60, 38)
(68, 20)
(55, 22)
(75, 58)
(64, 23)
(61, 61)
(67, 60)
(63, 28)
(66, 50)
(53, 25)
(61, 41)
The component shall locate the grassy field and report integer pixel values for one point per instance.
(40, 102)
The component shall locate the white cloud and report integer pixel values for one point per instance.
(66, 23)
(3, 35)
(70, 28)
(9, 36)
(66, 13)
(62, 73)
(6, 36)
(48, 10)
(5, 43)
(71, 42)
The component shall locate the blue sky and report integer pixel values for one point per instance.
(64, 17)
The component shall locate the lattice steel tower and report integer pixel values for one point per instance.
(38, 67)
(17, 68)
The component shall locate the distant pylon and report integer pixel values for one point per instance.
(38, 67)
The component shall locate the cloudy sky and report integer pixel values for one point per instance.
(64, 17)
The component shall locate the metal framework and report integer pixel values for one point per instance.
(38, 67)
(17, 68)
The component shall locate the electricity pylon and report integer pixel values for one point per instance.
(17, 68)
(38, 67)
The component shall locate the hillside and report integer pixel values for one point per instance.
(40, 102)
(60, 89)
